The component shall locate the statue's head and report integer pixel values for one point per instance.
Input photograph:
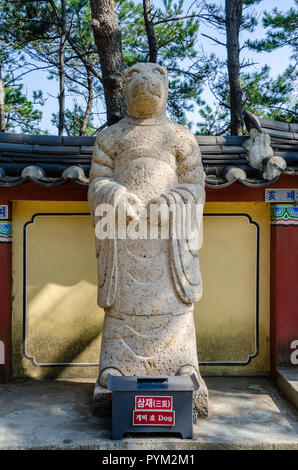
(146, 90)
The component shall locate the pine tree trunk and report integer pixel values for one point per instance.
(107, 35)
(61, 97)
(150, 31)
(233, 21)
(2, 114)
(2, 101)
(89, 103)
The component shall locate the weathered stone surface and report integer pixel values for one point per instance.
(200, 396)
(148, 285)
(102, 401)
(200, 401)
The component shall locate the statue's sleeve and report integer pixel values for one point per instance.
(100, 177)
(191, 179)
(104, 189)
(189, 164)
(186, 201)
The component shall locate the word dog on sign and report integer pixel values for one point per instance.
(153, 411)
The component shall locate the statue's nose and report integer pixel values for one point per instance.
(149, 79)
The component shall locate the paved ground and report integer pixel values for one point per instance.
(245, 413)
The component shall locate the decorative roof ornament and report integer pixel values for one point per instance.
(75, 172)
(260, 154)
(274, 167)
(33, 172)
(232, 173)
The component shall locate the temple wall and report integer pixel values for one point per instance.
(56, 328)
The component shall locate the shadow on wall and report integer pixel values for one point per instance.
(63, 323)
(63, 326)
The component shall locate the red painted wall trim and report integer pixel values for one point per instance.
(237, 192)
(284, 293)
(72, 192)
(5, 302)
(34, 192)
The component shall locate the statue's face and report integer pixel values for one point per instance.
(146, 90)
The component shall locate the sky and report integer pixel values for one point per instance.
(277, 60)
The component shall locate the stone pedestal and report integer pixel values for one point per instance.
(102, 401)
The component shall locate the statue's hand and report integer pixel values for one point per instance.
(131, 203)
(158, 205)
(133, 200)
(157, 201)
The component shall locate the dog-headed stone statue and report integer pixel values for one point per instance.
(147, 285)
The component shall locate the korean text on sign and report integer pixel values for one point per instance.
(153, 418)
(153, 403)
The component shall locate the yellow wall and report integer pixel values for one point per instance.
(64, 323)
(226, 315)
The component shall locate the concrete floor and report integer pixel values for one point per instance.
(245, 413)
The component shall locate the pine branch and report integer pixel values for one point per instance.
(215, 40)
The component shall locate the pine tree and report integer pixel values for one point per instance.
(167, 35)
(281, 30)
(17, 112)
(278, 96)
(57, 37)
(234, 17)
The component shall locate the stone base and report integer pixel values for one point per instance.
(102, 401)
(200, 400)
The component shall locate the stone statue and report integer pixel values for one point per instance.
(147, 286)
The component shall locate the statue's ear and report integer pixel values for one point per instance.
(162, 69)
(165, 71)
(126, 74)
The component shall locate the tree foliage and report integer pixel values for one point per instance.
(176, 37)
(281, 30)
(18, 112)
(260, 93)
(55, 36)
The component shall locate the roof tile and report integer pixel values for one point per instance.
(43, 139)
(78, 140)
(56, 149)
(10, 137)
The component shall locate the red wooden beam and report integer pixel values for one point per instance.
(34, 192)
